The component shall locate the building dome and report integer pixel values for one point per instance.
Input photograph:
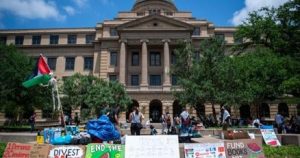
(154, 5)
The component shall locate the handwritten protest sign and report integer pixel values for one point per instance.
(17, 150)
(269, 136)
(152, 147)
(40, 151)
(105, 150)
(67, 152)
(204, 150)
(244, 148)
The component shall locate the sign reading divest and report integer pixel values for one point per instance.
(105, 151)
(205, 150)
(244, 148)
(17, 150)
(152, 147)
(269, 136)
(67, 152)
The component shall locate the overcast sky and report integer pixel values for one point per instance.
(18, 14)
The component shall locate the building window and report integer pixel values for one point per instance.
(196, 31)
(173, 58)
(155, 59)
(135, 60)
(88, 63)
(3, 39)
(112, 77)
(174, 80)
(52, 63)
(70, 62)
(155, 80)
(36, 40)
(113, 32)
(113, 58)
(72, 39)
(220, 36)
(19, 40)
(54, 39)
(196, 55)
(135, 81)
(89, 39)
(169, 13)
(140, 14)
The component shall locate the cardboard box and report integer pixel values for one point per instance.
(235, 135)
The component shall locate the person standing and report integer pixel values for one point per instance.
(76, 119)
(185, 122)
(163, 124)
(279, 122)
(136, 118)
(114, 116)
(225, 118)
(32, 121)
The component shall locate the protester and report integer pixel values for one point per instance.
(113, 115)
(177, 123)
(225, 118)
(153, 130)
(136, 118)
(76, 119)
(163, 124)
(256, 123)
(67, 119)
(279, 120)
(32, 121)
(185, 122)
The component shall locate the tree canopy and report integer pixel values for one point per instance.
(17, 101)
(94, 92)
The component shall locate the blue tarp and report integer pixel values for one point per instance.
(103, 129)
(266, 127)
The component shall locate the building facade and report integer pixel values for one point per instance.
(135, 48)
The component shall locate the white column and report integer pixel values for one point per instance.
(167, 81)
(144, 81)
(122, 67)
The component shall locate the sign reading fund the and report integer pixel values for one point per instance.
(152, 147)
(67, 152)
(105, 150)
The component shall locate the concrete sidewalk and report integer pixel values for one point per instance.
(21, 137)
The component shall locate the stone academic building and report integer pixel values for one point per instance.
(135, 48)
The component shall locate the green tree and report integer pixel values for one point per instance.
(252, 77)
(277, 29)
(197, 76)
(94, 92)
(17, 101)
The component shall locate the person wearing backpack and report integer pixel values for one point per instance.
(136, 118)
(185, 122)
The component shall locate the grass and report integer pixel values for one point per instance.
(287, 151)
(2, 148)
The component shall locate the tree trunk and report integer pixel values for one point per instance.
(214, 111)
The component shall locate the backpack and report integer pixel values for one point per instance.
(186, 121)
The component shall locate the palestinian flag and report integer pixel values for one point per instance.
(40, 75)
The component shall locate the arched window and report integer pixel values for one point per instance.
(264, 110)
(283, 109)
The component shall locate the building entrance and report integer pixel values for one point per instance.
(155, 110)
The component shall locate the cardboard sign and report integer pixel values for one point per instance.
(17, 150)
(105, 151)
(269, 136)
(164, 146)
(244, 148)
(67, 152)
(205, 150)
(40, 151)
